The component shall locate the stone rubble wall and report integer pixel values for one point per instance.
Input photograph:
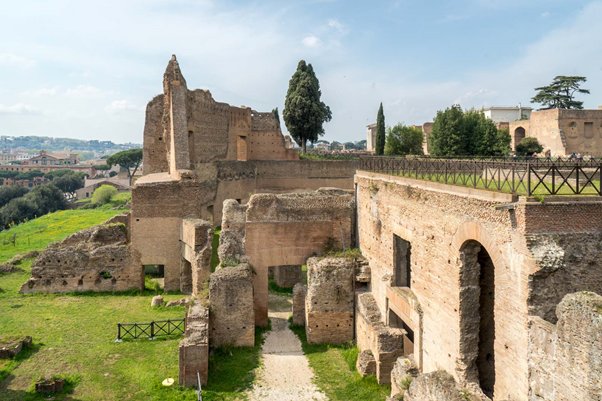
(385, 343)
(232, 319)
(299, 294)
(329, 300)
(196, 236)
(194, 348)
(567, 357)
(232, 237)
(403, 373)
(95, 259)
(438, 386)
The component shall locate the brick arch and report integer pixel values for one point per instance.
(471, 230)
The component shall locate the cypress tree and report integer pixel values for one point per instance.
(304, 113)
(380, 131)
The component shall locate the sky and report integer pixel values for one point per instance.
(87, 69)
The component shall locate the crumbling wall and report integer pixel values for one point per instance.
(299, 294)
(566, 358)
(329, 300)
(196, 236)
(385, 343)
(194, 348)
(286, 229)
(95, 259)
(437, 386)
(232, 237)
(403, 373)
(231, 307)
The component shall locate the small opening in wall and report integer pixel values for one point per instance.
(155, 273)
(105, 275)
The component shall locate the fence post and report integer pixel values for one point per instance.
(198, 379)
(152, 327)
(118, 331)
(529, 178)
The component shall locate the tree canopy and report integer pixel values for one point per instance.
(404, 140)
(459, 133)
(304, 113)
(528, 146)
(129, 159)
(560, 94)
(379, 148)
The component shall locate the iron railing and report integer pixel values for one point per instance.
(523, 177)
(150, 330)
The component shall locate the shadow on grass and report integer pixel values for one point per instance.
(31, 395)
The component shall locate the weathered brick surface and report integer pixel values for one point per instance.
(287, 276)
(231, 307)
(194, 348)
(329, 300)
(299, 293)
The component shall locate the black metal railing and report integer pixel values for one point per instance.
(151, 329)
(523, 177)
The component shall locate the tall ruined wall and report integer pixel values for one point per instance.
(95, 259)
(437, 220)
(539, 252)
(567, 357)
(286, 229)
(156, 142)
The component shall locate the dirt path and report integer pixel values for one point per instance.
(285, 374)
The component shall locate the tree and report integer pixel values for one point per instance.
(127, 159)
(404, 140)
(12, 192)
(103, 194)
(528, 146)
(380, 132)
(560, 94)
(276, 116)
(304, 113)
(69, 183)
(470, 133)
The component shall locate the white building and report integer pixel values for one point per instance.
(507, 114)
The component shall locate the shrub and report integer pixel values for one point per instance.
(103, 194)
(528, 146)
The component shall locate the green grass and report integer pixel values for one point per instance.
(275, 288)
(37, 234)
(504, 186)
(335, 374)
(73, 334)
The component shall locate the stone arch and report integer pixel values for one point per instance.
(519, 135)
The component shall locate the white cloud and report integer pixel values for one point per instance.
(122, 105)
(336, 24)
(10, 59)
(42, 92)
(84, 91)
(18, 108)
(311, 41)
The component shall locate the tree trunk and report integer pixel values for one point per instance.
(304, 145)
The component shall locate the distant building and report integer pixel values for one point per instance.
(562, 131)
(371, 138)
(507, 114)
(122, 185)
(52, 159)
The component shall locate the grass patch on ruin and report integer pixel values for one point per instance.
(37, 234)
(335, 374)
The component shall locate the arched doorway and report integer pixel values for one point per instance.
(519, 135)
(477, 317)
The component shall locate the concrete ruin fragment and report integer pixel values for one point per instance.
(194, 348)
(231, 315)
(329, 300)
(96, 259)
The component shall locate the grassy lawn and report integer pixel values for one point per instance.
(335, 374)
(504, 185)
(74, 334)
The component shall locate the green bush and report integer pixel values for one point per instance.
(103, 194)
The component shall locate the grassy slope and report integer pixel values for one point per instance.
(73, 334)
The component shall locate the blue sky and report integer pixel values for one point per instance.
(86, 69)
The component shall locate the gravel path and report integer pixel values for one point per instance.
(285, 374)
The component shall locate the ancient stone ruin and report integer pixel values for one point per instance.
(97, 259)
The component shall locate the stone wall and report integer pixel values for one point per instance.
(566, 358)
(534, 253)
(286, 229)
(329, 300)
(299, 294)
(385, 343)
(232, 237)
(196, 237)
(194, 348)
(287, 276)
(232, 319)
(95, 259)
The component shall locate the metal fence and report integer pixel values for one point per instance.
(150, 330)
(524, 177)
